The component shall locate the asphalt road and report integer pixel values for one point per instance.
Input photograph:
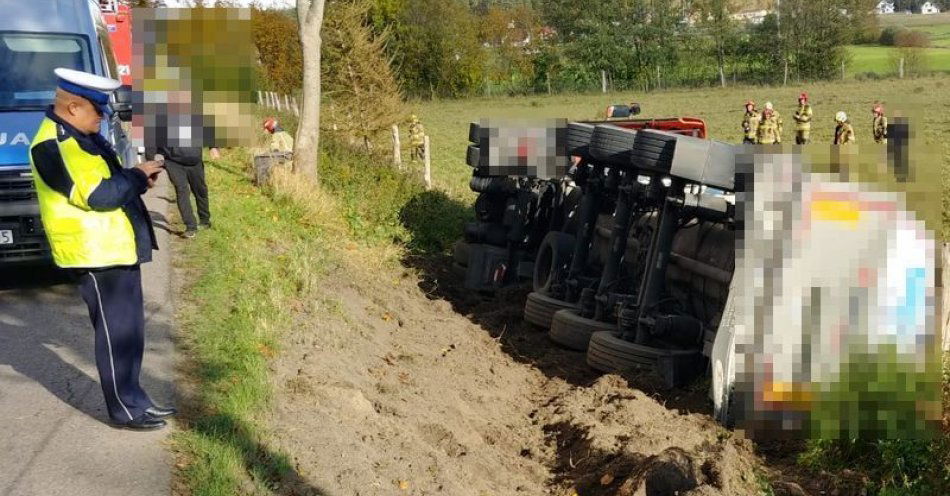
(54, 439)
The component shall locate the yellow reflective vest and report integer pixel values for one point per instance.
(79, 236)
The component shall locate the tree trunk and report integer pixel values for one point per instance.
(307, 144)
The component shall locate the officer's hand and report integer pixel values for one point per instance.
(151, 168)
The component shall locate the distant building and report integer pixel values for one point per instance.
(929, 8)
(751, 16)
(884, 7)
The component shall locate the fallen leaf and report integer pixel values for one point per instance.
(606, 479)
(404, 485)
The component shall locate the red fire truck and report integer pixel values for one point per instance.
(118, 17)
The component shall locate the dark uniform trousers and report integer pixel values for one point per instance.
(188, 179)
(114, 298)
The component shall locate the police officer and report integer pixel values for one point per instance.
(98, 226)
(416, 138)
(769, 131)
(750, 122)
(844, 133)
(803, 120)
(879, 124)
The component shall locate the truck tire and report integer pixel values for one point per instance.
(487, 233)
(540, 308)
(473, 132)
(460, 252)
(554, 255)
(578, 139)
(489, 207)
(612, 145)
(572, 331)
(473, 157)
(653, 150)
(494, 185)
(607, 352)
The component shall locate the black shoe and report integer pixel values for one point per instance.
(159, 412)
(204, 225)
(189, 233)
(143, 422)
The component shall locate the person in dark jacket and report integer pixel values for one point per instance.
(186, 170)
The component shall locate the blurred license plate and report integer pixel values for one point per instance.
(6, 237)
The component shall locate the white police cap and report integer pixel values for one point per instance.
(94, 88)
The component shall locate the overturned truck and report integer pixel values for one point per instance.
(629, 246)
(627, 233)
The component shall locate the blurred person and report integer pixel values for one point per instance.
(417, 135)
(769, 131)
(879, 124)
(186, 169)
(280, 141)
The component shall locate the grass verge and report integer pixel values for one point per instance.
(243, 277)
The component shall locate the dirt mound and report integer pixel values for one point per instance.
(387, 387)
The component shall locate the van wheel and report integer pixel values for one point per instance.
(540, 308)
(572, 331)
(554, 256)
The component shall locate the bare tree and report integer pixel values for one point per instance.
(307, 144)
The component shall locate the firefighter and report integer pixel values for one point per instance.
(750, 122)
(99, 228)
(280, 140)
(844, 133)
(416, 138)
(879, 124)
(769, 131)
(803, 120)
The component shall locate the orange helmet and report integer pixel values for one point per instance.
(803, 96)
(270, 124)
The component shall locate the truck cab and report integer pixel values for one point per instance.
(36, 38)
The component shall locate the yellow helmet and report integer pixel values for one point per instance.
(413, 118)
(768, 105)
(841, 117)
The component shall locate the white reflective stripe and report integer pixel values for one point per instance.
(105, 325)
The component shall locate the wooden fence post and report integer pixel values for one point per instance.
(287, 102)
(296, 107)
(901, 69)
(427, 173)
(259, 100)
(277, 99)
(397, 150)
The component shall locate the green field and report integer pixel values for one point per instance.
(914, 20)
(882, 60)
(447, 121)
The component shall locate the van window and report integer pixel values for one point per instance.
(28, 60)
(105, 47)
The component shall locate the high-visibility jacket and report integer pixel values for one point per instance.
(83, 200)
(281, 141)
(803, 118)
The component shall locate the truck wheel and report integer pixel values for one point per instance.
(608, 352)
(487, 233)
(496, 185)
(578, 139)
(612, 145)
(554, 255)
(572, 331)
(473, 157)
(460, 253)
(473, 132)
(489, 207)
(540, 308)
(654, 149)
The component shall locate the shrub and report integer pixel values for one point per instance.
(889, 34)
(912, 39)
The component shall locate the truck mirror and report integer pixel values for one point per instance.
(123, 103)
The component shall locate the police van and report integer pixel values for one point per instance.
(35, 38)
